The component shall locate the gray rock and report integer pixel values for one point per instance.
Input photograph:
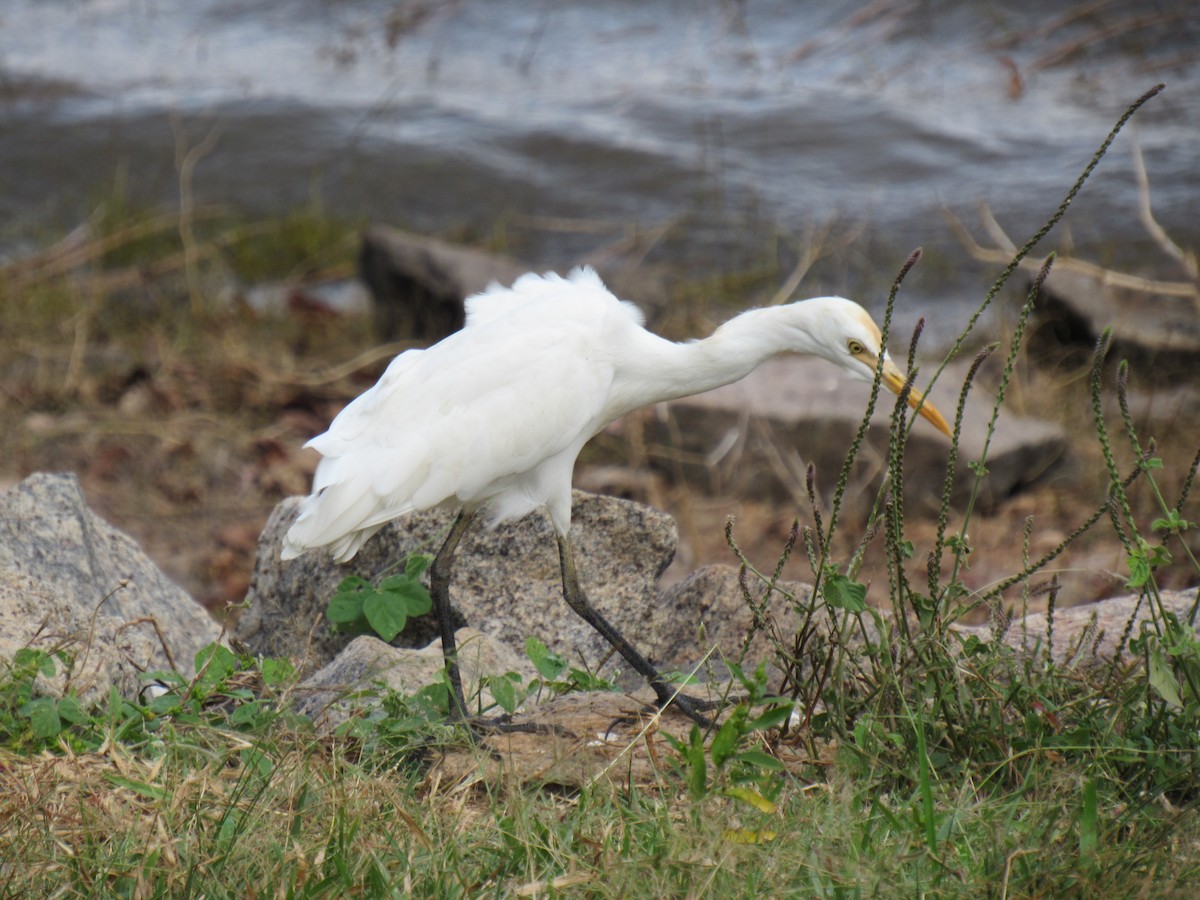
(418, 284)
(710, 606)
(706, 616)
(756, 437)
(1090, 632)
(91, 653)
(324, 695)
(506, 582)
(1076, 306)
(52, 545)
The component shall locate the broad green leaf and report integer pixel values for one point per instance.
(247, 713)
(842, 593)
(69, 709)
(771, 718)
(30, 658)
(277, 671)
(409, 594)
(43, 717)
(505, 693)
(417, 564)
(1162, 677)
(223, 662)
(548, 664)
(344, 608)
(1139, 570)
(385, 613)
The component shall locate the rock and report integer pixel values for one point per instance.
(100, 651)
(1162, 332)
(1090, 632)
(757, 436)
(506, 582)
(62, 563)
(367, 660)
(419, 283)
(711, 603)
(708, 612)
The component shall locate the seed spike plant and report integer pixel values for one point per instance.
(913, 676)
(934, 566)
(979, 467)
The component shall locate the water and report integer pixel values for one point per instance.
(738, 120)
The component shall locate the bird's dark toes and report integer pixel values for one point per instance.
(692, 707)
(481, 727)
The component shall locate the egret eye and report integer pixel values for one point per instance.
(855, 347)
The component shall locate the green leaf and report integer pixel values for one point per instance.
(725, 742)
(1173, 523)
(386, 615)
(771, 718)
(153, 791)
(345, 607)
(69, 709)
(1139, 570)
(43, 717)
(247, 713)
(417, 564)
(698, 776)
(586, 681)
(1089, 830)
(277, 671)
(505, 693)
(548, 664)
(223, 663)
(27, 657)
(842, 593)
(409, 593)
(1162, 677)
(760, 760)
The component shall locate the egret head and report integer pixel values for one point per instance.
(845, 334)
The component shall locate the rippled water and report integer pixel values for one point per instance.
(743, 118)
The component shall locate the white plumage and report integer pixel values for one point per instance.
(494, 415)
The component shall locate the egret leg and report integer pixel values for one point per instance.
(439, 590)
(578, 601)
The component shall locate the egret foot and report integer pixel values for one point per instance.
(481, 727)
(692, 707)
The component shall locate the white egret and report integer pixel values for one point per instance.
(492, 418)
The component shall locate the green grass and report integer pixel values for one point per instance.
(204, 798)
(921, 762)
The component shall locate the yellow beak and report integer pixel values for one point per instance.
(893, 380)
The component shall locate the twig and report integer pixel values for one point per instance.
(186, 161)
(1114, 29)
(1101, 274)
(1156, 231)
